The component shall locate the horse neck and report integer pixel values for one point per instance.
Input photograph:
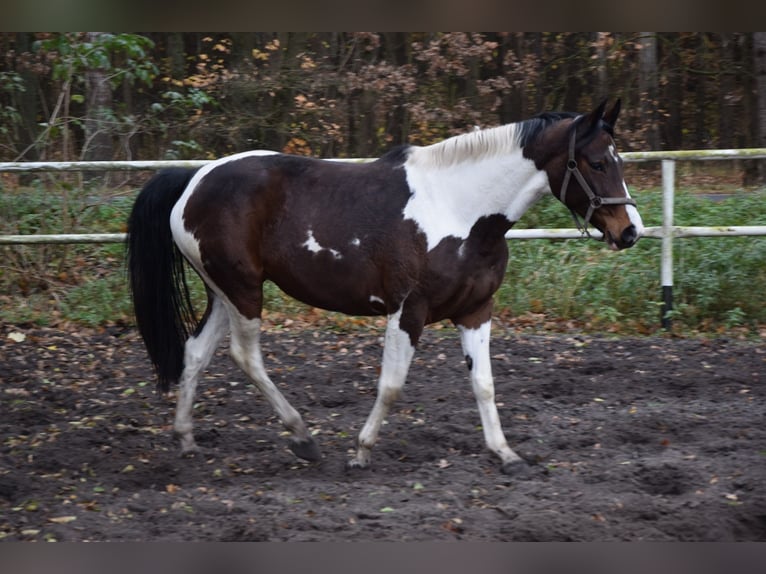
(478, 174)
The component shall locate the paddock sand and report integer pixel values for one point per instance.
(629, 439)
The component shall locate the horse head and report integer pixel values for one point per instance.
(587, 177)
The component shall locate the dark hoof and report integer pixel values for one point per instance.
(190, 451)
(354, 465)
(518, 468)
(306, 449)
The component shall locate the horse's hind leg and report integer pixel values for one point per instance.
(475, 344)
(246, 352)
(198, 352)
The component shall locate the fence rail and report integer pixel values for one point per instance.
(550, 233)
(667, 232)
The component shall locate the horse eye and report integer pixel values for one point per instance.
(598, 166)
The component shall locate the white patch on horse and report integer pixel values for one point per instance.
(313, 245)
(356, 242)
(185, 240)
(613, 152)
(376, 299)
(475, 343)
(633, 215)
(397, 356)
(449, 196)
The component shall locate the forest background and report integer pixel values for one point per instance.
(102, 96)
(172, 95)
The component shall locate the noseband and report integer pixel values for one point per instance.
(595, 200)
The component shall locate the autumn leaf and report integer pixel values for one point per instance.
(62, 519)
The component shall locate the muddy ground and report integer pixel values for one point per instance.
(631, 439)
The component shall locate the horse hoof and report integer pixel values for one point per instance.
(518, 468)
(190, 451)
(354, 465)
(306, 449)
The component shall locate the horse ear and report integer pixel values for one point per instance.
(610, 116)
(586, 125)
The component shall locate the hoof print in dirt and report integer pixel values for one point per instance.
(306, 449)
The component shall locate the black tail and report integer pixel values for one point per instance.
(161, 301)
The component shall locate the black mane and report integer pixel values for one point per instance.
(531, 128)
(397, 154)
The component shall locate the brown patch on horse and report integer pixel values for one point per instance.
(461, 276)
(365, 251)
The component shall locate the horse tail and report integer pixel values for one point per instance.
(161, 301)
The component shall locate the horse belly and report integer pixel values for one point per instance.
(323, 281)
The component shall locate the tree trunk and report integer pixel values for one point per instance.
(574, 72)
(702, 140)
(176, 55)
(28, 104)
(397, 51)
(759, 60)
(98, 105)
(726, 93)
(671, 127)
(602, 76)
(512, 102)
(647, 86)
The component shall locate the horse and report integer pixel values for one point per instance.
(417, 235)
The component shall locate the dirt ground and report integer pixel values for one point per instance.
(630, 439)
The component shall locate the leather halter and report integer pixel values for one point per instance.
(595, 200)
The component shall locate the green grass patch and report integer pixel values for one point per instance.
(719, 282)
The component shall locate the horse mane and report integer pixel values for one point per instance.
(530, 129)
(472, 145)
(487, 142)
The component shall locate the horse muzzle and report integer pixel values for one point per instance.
(628, 238)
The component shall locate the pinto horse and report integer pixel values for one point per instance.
(417, 235)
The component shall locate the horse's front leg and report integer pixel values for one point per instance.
(398, 351)
(475, 342)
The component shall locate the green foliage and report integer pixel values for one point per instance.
(716, 280)
(10, 83)
(49, 283)
(94, 302)
(126, 57)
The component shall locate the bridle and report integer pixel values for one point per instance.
(595, 200)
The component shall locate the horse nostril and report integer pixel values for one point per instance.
(629, 235)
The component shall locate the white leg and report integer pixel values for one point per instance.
(246, 352)
(397, 355)
(198, 352)
(475, 344)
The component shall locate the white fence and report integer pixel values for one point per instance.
(667, 232)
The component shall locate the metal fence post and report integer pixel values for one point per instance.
(668, 191)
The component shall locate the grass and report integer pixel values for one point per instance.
(554, 284)
(717, 281)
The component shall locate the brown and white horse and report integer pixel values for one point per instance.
(417, 235)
